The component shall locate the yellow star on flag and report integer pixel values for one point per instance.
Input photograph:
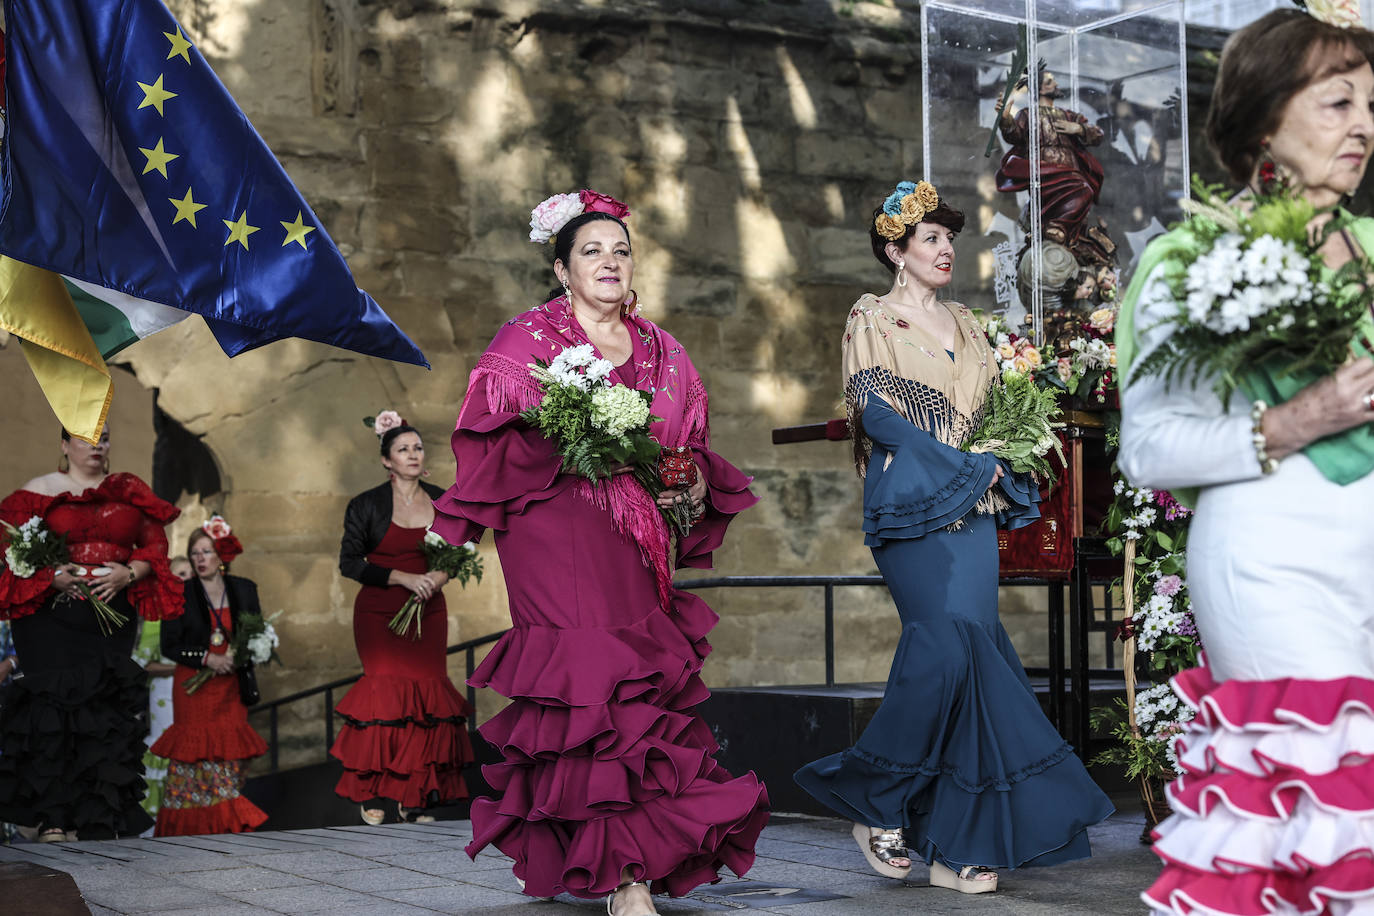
(239, 230)
(296, 231)
(187, 209)
(157, 158)
(179, 45)
(155, 95)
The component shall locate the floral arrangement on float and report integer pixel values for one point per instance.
(1149, 530)
(1085, 366)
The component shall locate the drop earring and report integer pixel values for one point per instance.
(901, 273)
(1272, 177)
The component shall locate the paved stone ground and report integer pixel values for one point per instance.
(807, 866)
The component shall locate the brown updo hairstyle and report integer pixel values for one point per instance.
(1262, 67)
(942, 215)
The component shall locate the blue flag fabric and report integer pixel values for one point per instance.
(127, 165)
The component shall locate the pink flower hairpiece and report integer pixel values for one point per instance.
(385, 420)
(552, 214)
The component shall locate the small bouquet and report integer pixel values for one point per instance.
(254, 639)
(1254, 294)
(457, 561)
(1018, 425)
(33, 546)
(598, 426)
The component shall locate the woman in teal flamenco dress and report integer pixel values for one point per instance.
(958, 767)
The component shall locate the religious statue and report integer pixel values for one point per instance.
(1078, 258)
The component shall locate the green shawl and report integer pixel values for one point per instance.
(1342, 458)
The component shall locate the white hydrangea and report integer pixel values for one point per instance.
(617, 408)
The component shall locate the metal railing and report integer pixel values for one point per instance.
(273, 707)
(828, 584)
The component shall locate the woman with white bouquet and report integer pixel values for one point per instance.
(1249, 392)
(583, 444)
(404, 740)
(210, 743)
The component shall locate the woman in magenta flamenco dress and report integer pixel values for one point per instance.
(607, 783)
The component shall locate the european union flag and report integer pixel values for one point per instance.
(129, 169)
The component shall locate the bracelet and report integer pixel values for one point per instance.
(1267, 465)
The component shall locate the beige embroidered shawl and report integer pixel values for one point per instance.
(909, 369)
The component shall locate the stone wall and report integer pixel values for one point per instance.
(752, 140)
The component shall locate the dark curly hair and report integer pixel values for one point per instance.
(942, 215)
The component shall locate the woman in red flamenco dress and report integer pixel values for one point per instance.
(210, 741)
(73, 726)
(404, 737)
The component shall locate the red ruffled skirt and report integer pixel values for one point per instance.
(208, 745)
(1274, 812)
(404, 735)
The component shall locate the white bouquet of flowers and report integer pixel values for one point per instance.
(1255, 302)
(33, 546)
(254, 642)
(457, 561)
(598, 426)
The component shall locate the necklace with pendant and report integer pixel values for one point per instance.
(217, 636)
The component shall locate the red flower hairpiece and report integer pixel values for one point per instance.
(222, 536)
(596, 202)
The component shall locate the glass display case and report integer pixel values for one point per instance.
(1059, 127)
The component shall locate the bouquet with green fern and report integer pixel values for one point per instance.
(1019, 423)
(597, 426)
(1257, 308)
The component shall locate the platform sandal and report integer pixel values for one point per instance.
(881, 848)
(967, 880)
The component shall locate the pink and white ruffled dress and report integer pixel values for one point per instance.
(1274, 812)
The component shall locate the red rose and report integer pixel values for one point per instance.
(596, 202)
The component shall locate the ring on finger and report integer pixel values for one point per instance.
(1369, 401)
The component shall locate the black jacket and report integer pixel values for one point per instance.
(365, 522)
(185, 639)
